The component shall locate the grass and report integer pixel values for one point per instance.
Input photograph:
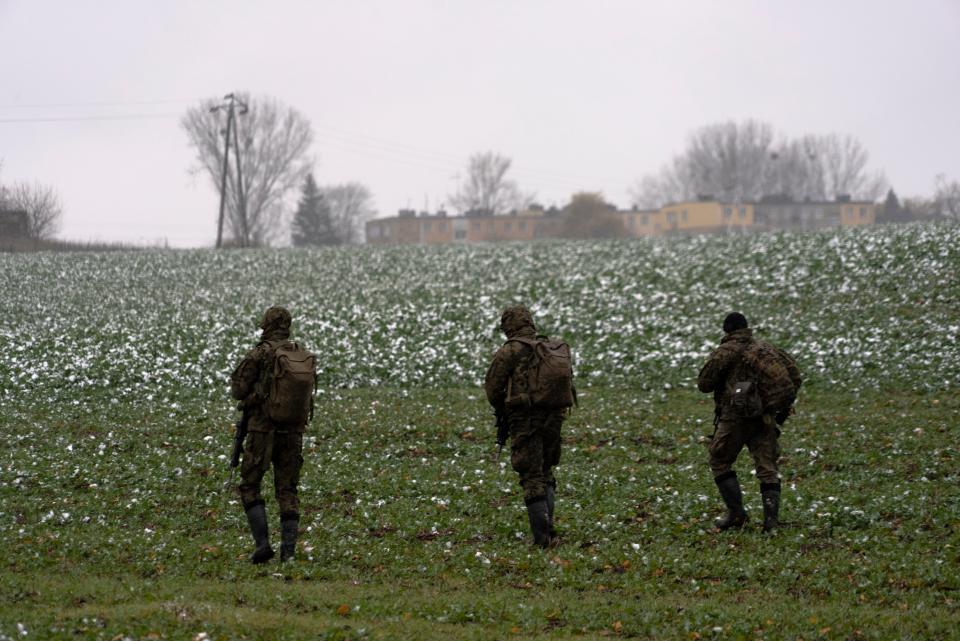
(120, 520)
(413, 531)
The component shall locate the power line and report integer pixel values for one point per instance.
(101, 103)
(157, 116)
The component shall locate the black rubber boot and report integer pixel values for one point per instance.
(257, 517)
(729, 488)
(539, 521)
(289, 527)
(551, 501)
(770, 492)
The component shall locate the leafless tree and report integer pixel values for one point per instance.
(274, 143)
(42, 204)
(843, 163)
(947, 197)
(351, 205)
(486, 188)
(666, 186)
(745, 161)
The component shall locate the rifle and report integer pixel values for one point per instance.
(238, 438)
(716, 421)
(503, 430)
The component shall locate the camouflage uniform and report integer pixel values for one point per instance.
(267, 443)
(534, 434)
(760, 435)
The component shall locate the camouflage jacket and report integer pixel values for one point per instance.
(251, 378)
(725, 366)
(506, 369)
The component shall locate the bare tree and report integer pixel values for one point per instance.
(274, 142)
(487, 189)
(652, 192)
(843, 163)
(947, 197)
(744, 161)
(42, 204)
(351, 205)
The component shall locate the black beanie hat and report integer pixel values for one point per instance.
(734, 321)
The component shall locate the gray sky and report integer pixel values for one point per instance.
(582, 95)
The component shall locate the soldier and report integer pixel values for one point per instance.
(757, 429)
(275, 436)
(534, 416)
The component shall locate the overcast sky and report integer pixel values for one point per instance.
(581, 95)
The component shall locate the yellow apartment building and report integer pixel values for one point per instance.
(642, 222)
(706, 216)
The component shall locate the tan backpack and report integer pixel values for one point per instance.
(772, 381)
(291, 385)
(549, 373)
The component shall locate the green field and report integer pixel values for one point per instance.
(120, 521)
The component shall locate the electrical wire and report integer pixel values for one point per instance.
(119, 103)
(91, 118)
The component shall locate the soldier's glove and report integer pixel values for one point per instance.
(782, 416)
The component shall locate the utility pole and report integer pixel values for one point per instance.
(232, 105)
(223, 174)
(241, 200)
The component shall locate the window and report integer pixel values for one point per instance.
(507, 226)
(630, 220)
(863, 212)
(727, 213)
(645, 220)
(426, 227)
(490, 227)
(671, 217)
(523, 225)
(386, 231)
(683, 215)
(374, 231)
(476, 227)
(441, 226)
(460, 234)
(743, 213)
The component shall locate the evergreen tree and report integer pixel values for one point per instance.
(891, 211)
(312, 223)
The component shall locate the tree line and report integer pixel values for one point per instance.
(729, 161)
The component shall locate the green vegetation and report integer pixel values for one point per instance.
(119, 519)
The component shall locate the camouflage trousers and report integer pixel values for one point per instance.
(535, 449)
(760, 435)
(284, 450)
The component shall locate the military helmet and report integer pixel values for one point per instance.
(514, 318)
(276, 318)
